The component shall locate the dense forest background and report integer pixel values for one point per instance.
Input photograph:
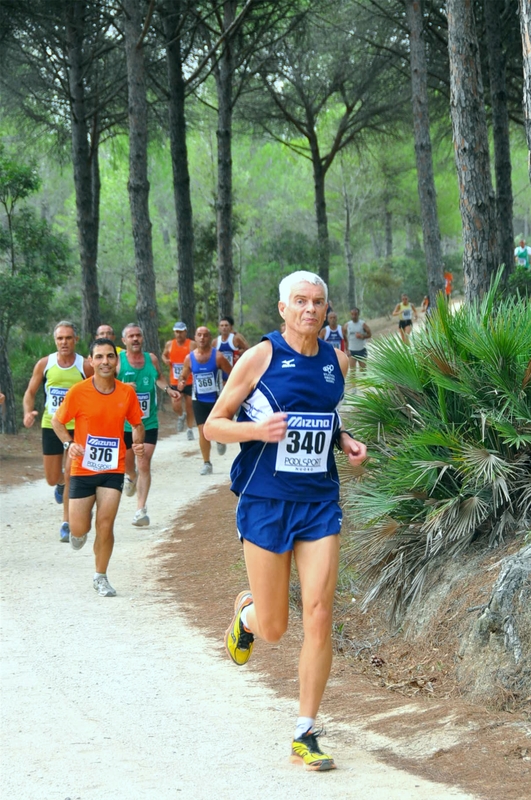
(171, 159)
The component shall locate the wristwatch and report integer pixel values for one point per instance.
(67, 444)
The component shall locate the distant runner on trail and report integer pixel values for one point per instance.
(204, 364)
(107, 332)
(173, 356)
(229, 343)
(99, 406)
(56, 373)
(333, 333)
(356, 332)
(406, 311)
(142, 371)
(289, 388)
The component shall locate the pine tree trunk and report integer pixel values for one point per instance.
(471, 146)
(8, 410)
(179, 158)
(348, 252)
(323, 240)
(224, 74)
(388, 219)
(138, 185)
(525, 27)
(423, 153)
(87, 220)
(500, 129)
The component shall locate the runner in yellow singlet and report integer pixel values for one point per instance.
(56, 373)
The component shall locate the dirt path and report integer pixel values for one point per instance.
(123, 698)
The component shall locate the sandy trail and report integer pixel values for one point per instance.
(120, 698)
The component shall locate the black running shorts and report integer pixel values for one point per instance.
(86, 485)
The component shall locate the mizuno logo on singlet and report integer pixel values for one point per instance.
(288, 362)
(302, 422)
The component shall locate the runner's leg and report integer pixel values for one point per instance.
(190, 420)
(144, 475)
(268, 575)
(130, 467)
(204, 445)
(107, 502)
(317, 565)
(53, 469)
(80, 514)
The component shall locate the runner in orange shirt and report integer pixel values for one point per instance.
(173, 356)
(99, 406)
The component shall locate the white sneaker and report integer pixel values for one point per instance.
(103, 587)
(141, 518)
(222, 448)
(190, 435)
(129, 486)
(206, 469)
(180, 423)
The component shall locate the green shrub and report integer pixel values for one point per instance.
(447, 421)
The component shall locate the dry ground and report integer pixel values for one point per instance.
(405, 693)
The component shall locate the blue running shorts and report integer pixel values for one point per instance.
(276, 525)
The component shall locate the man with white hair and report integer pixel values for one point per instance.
(289, 388)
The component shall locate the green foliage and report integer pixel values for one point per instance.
(519, 282)
(41, 260)
(33, 259)
(448, 424)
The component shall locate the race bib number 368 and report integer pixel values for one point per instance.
(101, 454)
(307, 443)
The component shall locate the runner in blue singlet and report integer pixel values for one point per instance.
(289, 388)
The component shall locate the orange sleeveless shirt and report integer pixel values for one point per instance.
(178, 353)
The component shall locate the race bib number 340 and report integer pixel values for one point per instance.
(307, 443)
(101, 454)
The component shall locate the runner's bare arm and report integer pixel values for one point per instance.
(88, 369)
(166, 354)
(367, 330)
(222, 363)
(243, 379)
(28, 402)
(161, 381)
(396, 311)
(241, 342)
(75, 450)
(138, 439)
(356, 451)
(185, 372)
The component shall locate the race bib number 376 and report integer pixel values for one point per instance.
(101, 454)
(307, 443)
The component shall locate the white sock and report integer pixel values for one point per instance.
(304, 724)
(99, 575)
(243, 616)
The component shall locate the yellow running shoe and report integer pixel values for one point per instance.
(305, 750)
(238, 641)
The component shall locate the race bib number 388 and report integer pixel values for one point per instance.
(54, 398)
(307, 443)
(101, 454)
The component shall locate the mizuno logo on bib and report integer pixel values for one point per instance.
(307, 443)
(101, 453)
